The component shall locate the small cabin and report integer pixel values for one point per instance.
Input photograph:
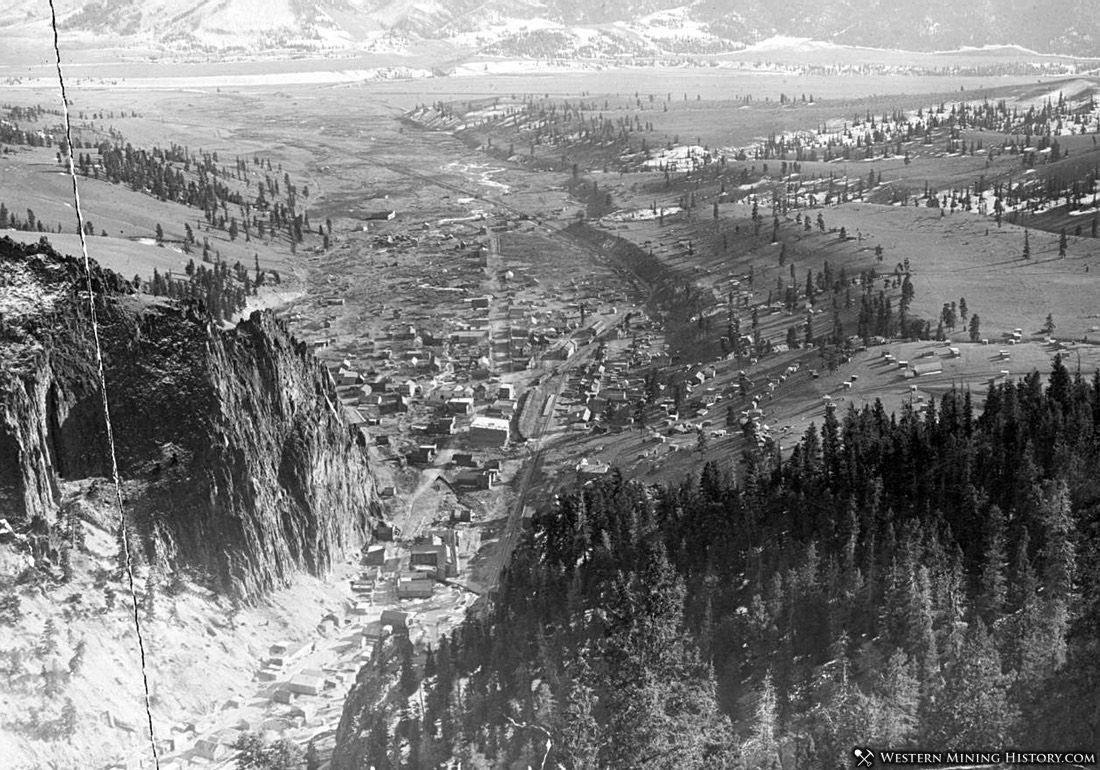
(374, 556)
(306, 684)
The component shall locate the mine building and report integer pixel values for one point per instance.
(586, 468)
(464, 460)
(392, 403)
(374, 556)
(489, 432)
(504, 408)
(284, 654)
(433, 559)
(924, 369)
(460, 406)
(306, 684)
(443, 425)
(415, 587)
(474, 479)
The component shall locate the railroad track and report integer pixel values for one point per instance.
(514, 524)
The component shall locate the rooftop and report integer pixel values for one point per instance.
(489, 423)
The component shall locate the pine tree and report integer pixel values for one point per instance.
(830, 444)
(11, 611)
(1023, 584)
(667, 717)
(151, 582)
(1059, 382)
(68, 721)
(992, 592)
(66, 556)
(896, 702)
(51, 684)
(1036, 641)
(922, 637)
(76, 662)
(47, 644)
(581, 734)
(408, 681)
(842, 714)
(974, 708)
(313, 757)
(1059, 557)
(761, 750)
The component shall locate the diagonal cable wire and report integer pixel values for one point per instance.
(103, 389)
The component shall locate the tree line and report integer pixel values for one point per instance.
(200, 180)
(221, 291)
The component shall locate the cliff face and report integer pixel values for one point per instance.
(232, 446)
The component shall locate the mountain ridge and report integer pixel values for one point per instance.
(640, 27)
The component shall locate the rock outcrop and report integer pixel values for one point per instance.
(235, 456)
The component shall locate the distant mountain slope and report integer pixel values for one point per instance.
(503, 26)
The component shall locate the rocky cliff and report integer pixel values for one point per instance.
(231, 443)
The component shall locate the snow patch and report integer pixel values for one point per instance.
(484, 172)
(642, 215)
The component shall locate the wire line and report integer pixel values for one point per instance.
(103, 389)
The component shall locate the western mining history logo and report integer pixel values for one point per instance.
(864, 757)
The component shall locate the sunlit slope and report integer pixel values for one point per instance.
(1061, 26)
